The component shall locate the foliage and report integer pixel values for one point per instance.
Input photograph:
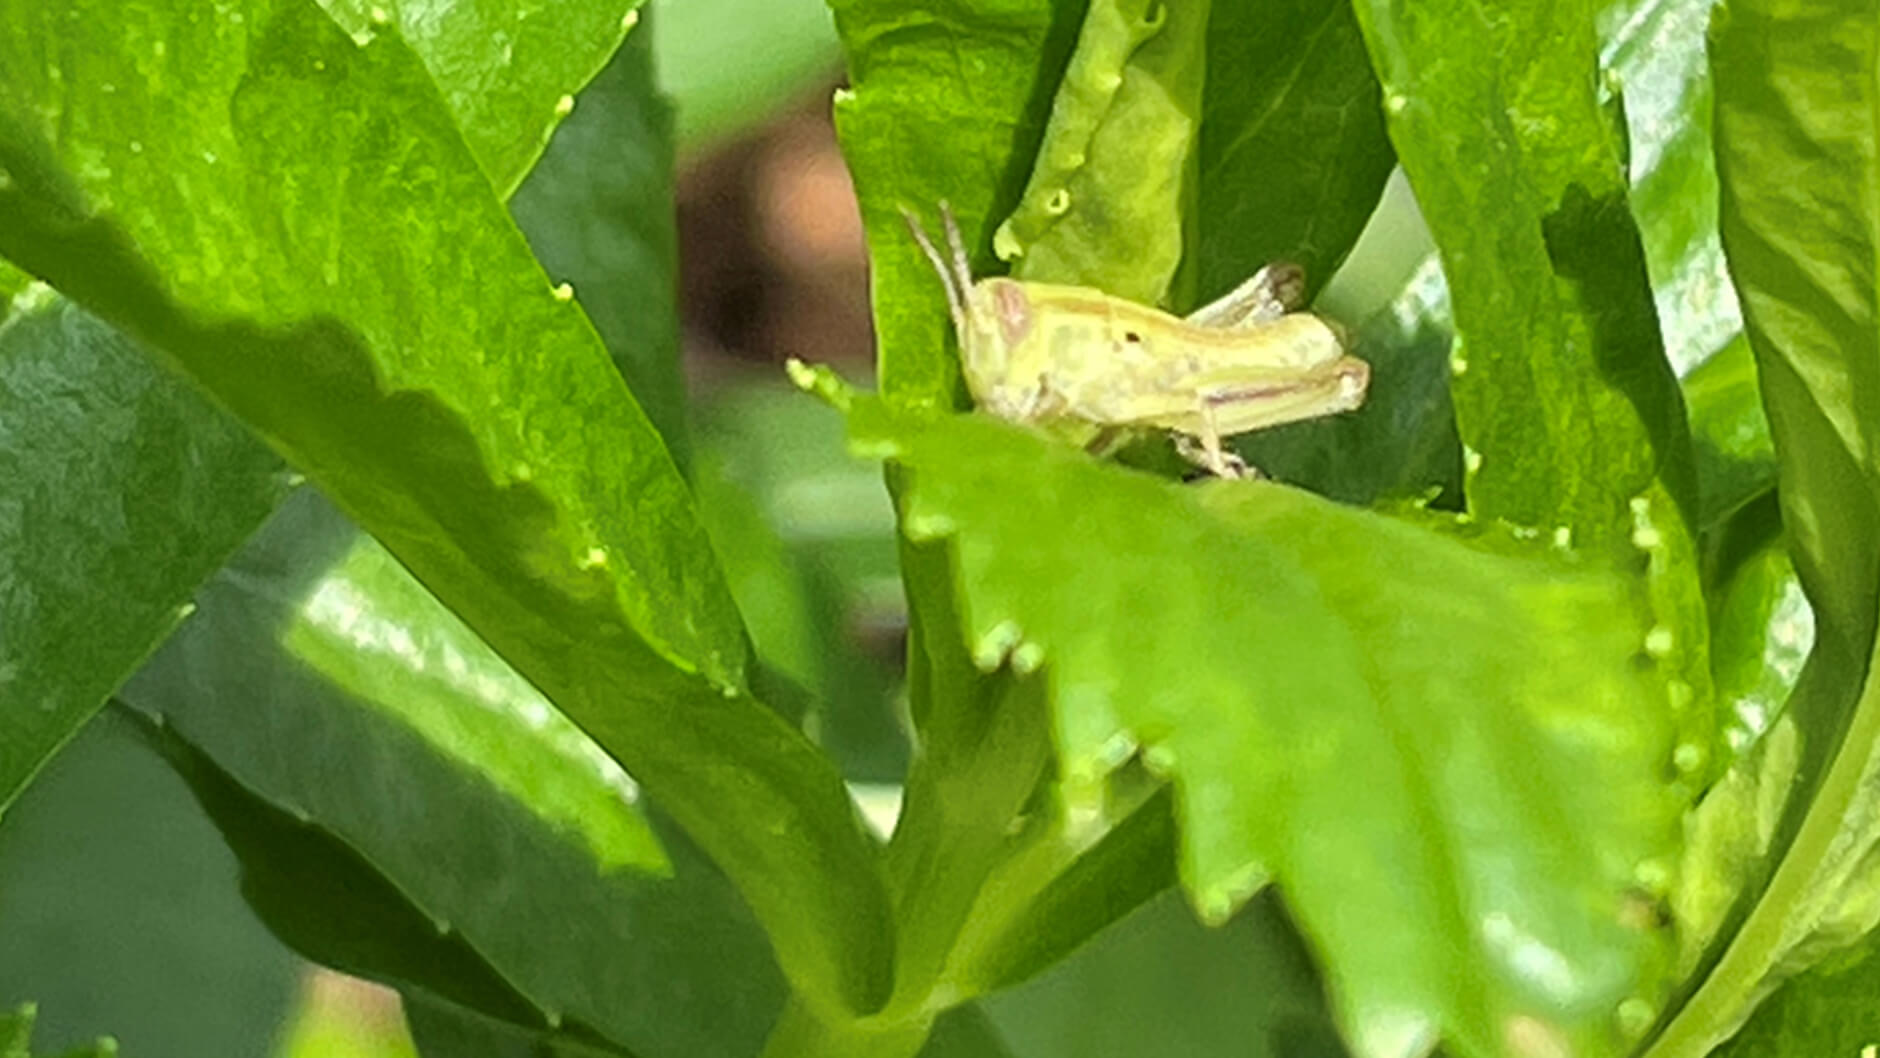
(1485, 725)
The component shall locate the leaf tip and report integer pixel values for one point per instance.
(820, 380)
(1393, 1032)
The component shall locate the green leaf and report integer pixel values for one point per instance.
(917, 128)
(1736, 460)
(1060, 883)
(124, 490)
(598, 212)
(1654, 50)
(323, 679)
(508, 69)
(1796, 87)
(1510, 743)
(16, 1034)
(441, 1029)
(125, 402)
(119, 907)
(1829, 1010)
(807, 537)
(1160, 983)
(1655, 54)
(1293, 151)
(1569, 413)
(371, 930)
(313, 243)
(952, 104)
(1761, 625)
(729, 64)
(1115, 170)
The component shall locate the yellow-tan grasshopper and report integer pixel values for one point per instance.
(1089, 366)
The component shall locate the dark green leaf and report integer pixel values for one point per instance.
(965, 1032)
(1061, 885)
(599, 215)
(1293, 151)
(312, 242)
(1736, 461)
(364, 925)
(1829, 1010)
(319, 676)
(508, 69)
(123, 490)
(1511, 742)
(1159, 983)
(807, 538)
(1569, 413)
(16, 1034)
(441, 1029)
(120, 914)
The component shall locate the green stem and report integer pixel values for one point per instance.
(801, 1033)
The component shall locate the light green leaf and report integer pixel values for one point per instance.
(124, 489)
(1569, 413)
(297, 223)
(1511, 745)
(1116, 168)
(1796, 92)
(128, 403)
(1654, 50)
(729, 64)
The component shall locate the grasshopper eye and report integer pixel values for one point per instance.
(1014, 311)
(1132, 337)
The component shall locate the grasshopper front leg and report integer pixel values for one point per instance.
(1206, 451)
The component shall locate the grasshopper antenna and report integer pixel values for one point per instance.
(956, 294)
(962, 268)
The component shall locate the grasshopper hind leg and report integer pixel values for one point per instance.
(1272, 292)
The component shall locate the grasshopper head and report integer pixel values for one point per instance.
(994, 337)
(991, 318)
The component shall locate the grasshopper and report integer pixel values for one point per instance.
(1086, 365)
